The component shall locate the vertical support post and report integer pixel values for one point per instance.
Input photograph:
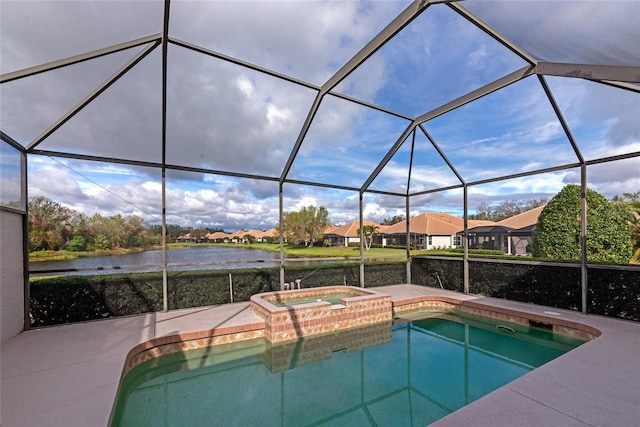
(165, 44)
(362, 237)
(407, 207)
(165, 287)
(465, 240)
(230, 288)
(281, 233)
(407, 204)
(583, 236)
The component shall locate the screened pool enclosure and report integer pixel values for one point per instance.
(228, 114)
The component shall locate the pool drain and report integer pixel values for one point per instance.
(505, 328)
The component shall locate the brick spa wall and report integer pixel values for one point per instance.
(296, 321)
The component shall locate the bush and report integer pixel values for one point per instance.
(76, 244)
(612, 291)
(437, 271)
(558, 231)
(476, 251)
(68, 299)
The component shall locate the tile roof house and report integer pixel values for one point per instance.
(513, 235)
(256, 234)
(348, 233)
(494, 237)
(524, 220)
(524, 225)
(429, 230)
(218, 237)
(270, 234)
(237, 236)
(188, 238)
(261, 236)
(240, 235)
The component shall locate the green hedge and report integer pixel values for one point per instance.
(438, 271)
(555, 286)
(477, 251)
(68, 299)
(613, 292)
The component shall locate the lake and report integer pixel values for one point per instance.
(187, 258)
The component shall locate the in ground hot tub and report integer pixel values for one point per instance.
(299, 313)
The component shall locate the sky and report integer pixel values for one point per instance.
(232, 119)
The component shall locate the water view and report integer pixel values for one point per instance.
(188, 258)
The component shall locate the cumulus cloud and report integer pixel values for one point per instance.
(36, 32)
(583, 32)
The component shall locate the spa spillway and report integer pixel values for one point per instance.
(300, 313)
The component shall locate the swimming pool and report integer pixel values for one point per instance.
(409, 373)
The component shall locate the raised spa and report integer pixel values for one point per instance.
(289, 315)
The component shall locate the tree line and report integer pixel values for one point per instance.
(53, 227)
(506, 209)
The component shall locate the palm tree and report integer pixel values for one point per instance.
(368, 231)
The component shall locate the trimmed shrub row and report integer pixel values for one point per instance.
(68, 299)
(612, 292)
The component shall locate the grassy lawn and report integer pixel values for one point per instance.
(331, 251)
(64, 255)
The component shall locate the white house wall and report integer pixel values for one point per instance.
(440, 242)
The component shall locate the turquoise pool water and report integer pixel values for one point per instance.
(411, 373)
(333, 299)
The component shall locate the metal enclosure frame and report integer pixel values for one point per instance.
(622, 77)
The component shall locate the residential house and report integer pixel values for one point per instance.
(265, 236)
(512, 235)
(259, 235)
(345, 234)
(219, 237)
(490, 237)
(521, 238)
(429, 230)
(188, 238)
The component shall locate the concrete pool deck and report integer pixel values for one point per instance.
(68, 375)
